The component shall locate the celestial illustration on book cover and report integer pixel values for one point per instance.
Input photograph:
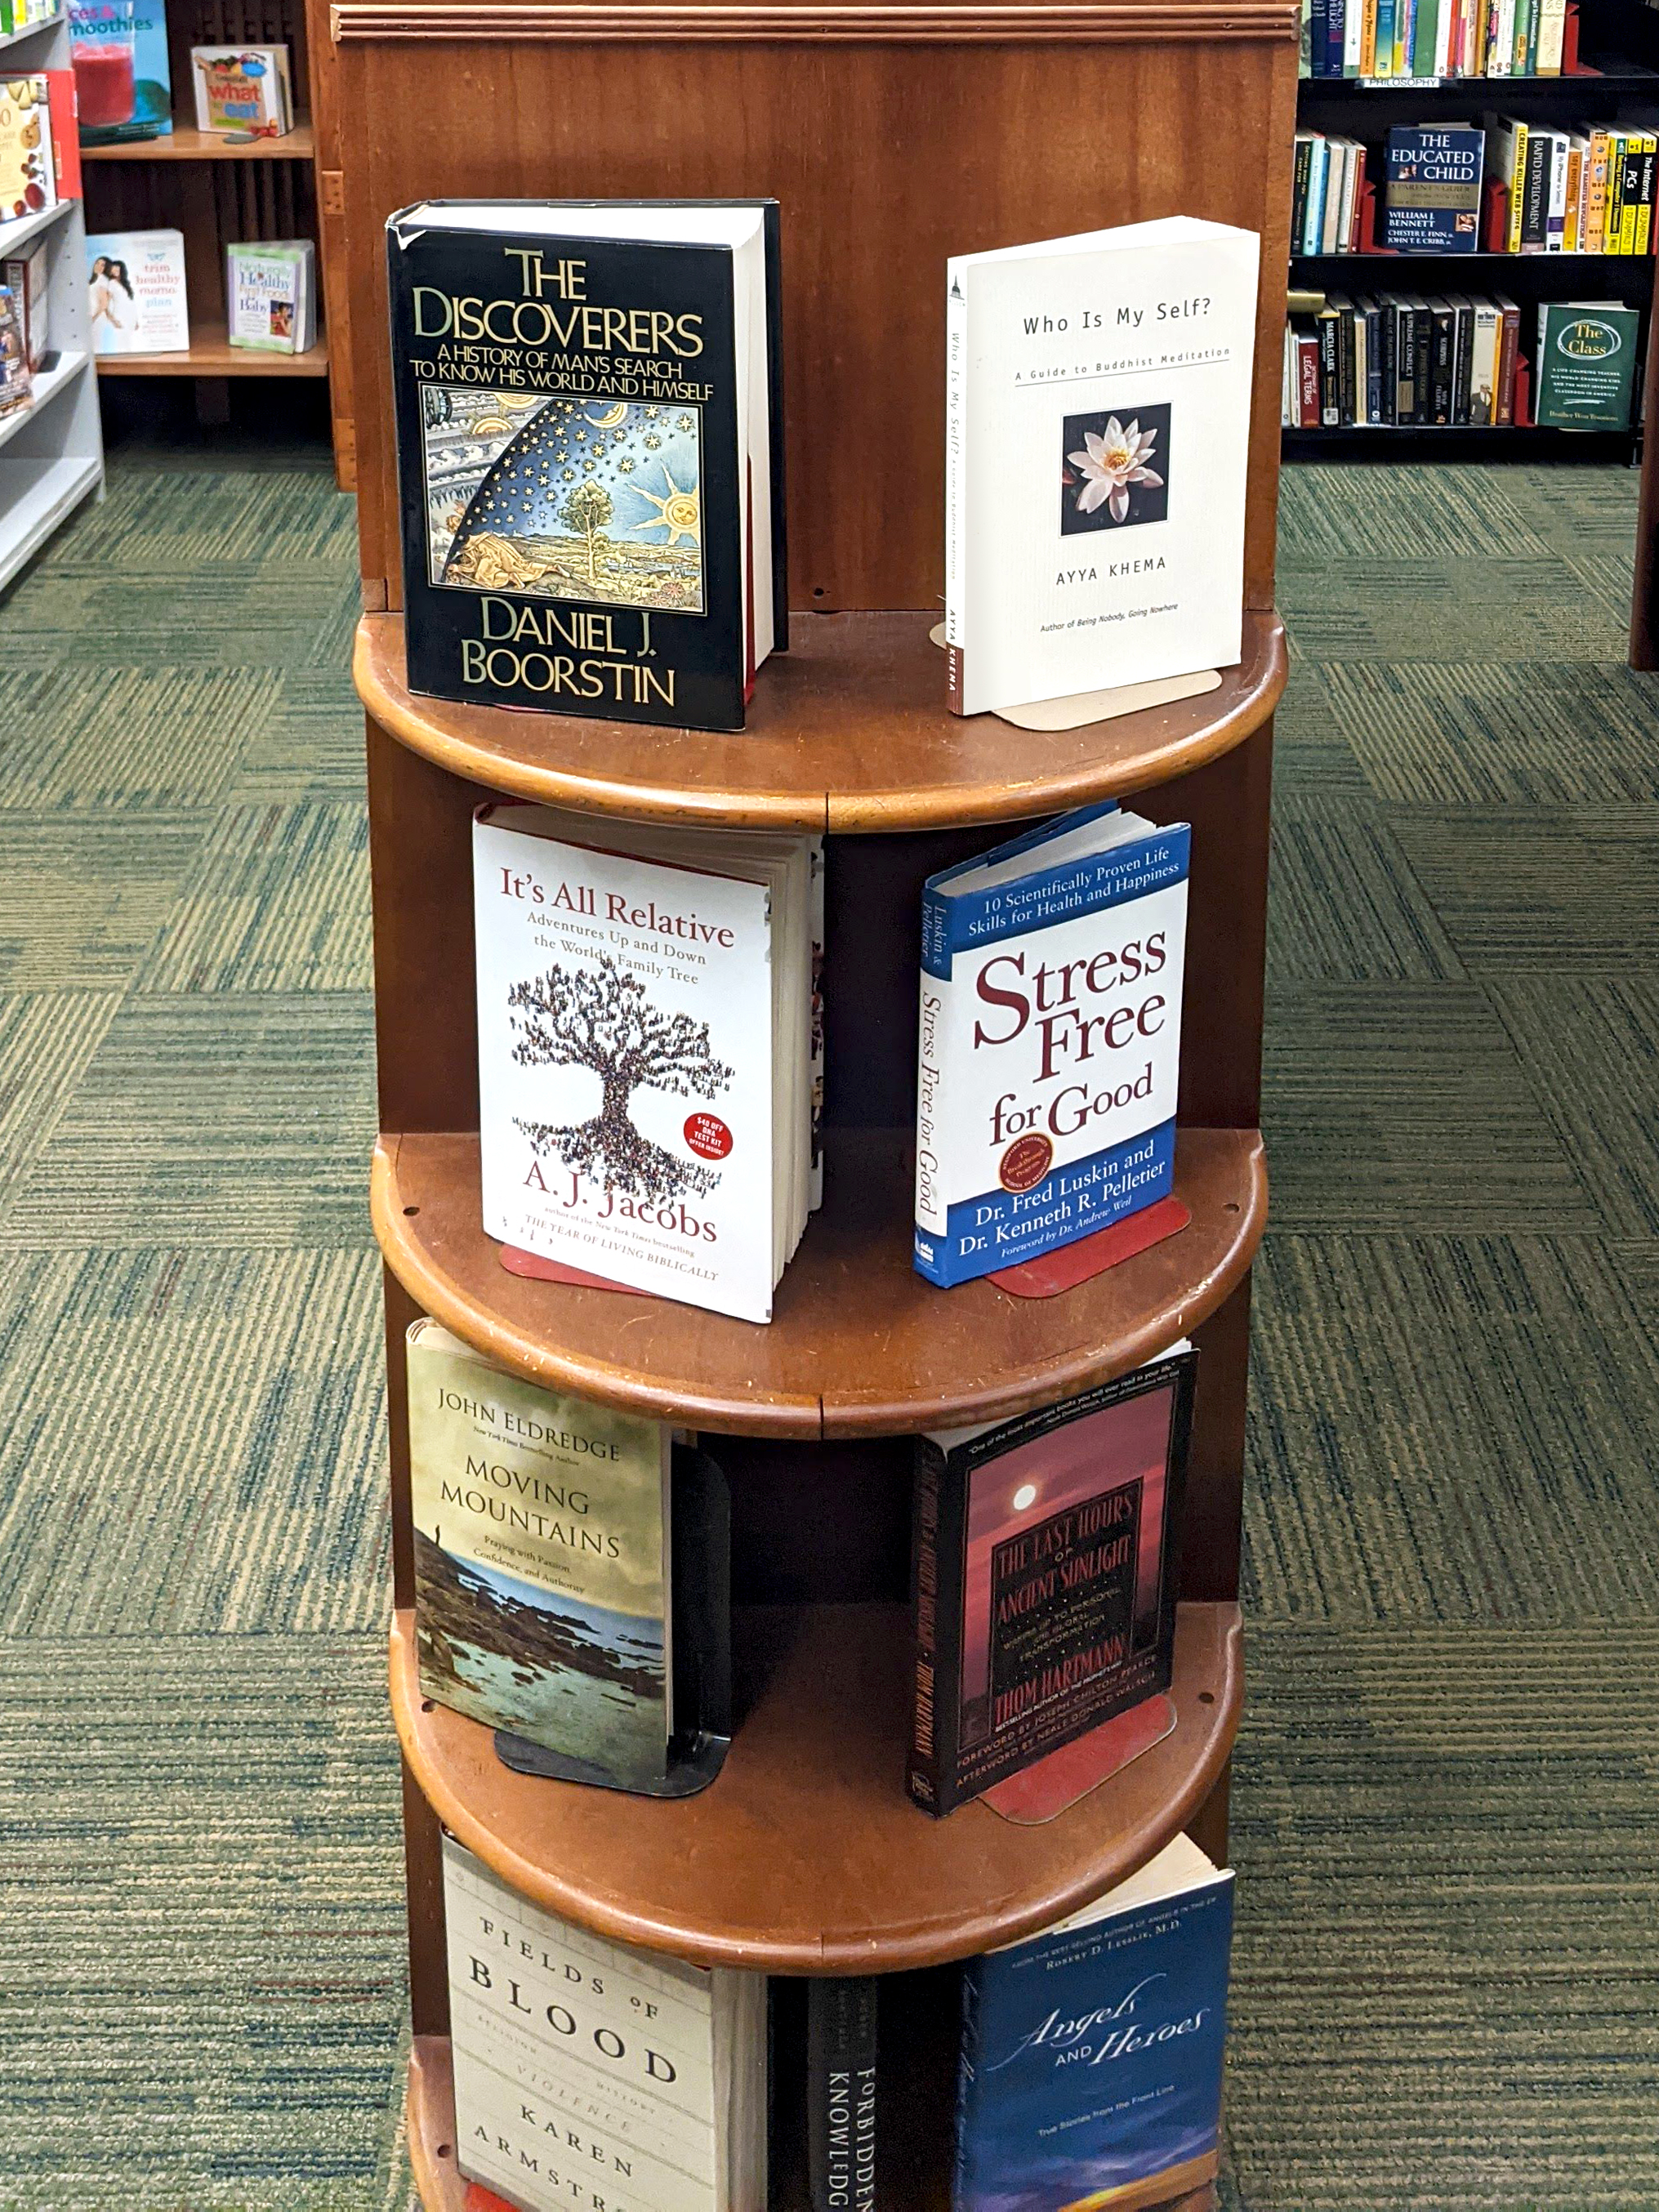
(595, 502)
(601, 1019)
(1114, 469)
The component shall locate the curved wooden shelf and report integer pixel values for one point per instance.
(859, 1344)
(806, 1855)
(429, 2114)
(848, 730)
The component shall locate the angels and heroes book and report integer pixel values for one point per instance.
(646, 1068)
(1050, 1039)
(1098, 403)
(1045, 1568)
(1092, 2054)
(588, 403)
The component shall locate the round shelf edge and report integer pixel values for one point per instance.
(860, 1344)
(857, 698)
(809, 1822)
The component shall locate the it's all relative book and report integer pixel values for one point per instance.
(1044, 1562)
(1091, 2062)
(590, 459)
(592, 2077)
(645, 1067)
(1050, 1039)
(1097, 401)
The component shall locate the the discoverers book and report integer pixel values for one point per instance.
(590, 461)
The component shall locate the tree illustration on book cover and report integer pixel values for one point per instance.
(592, 500)
(602, 1019)
(1114, 469)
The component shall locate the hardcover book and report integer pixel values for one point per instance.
(1050, 1039)
(26, 184)
(840, 2093)
(589, 451)
(136, 296)
(1091, 2072)
(646, 1068)
(1044, 1569)
(1586, 364)
(123, 79)
(542, 1561)
(15, 381)
(1431, 195)
(25, 276)
(1097, 426)
(592, 2075)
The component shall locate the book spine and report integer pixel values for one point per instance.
(956, 485)
(1441, 370)
(1536, 208)
(1383, 61)
(1330, 386)
(1462, 362)
(1354, 36)
(1425, 35)
(1388, 397)
(1509, 346)
(1404, 390)
(1319, 46)
(1557, 204)
(1551, 28)
(1572, 230)
(1374, 363)
(1645, 206)
(1303, 164)
(840, 2093)
(1515, 177)
(1317, 183)
(1307, 354)
(1368, 40)
(1346, 367)
(936, 1626)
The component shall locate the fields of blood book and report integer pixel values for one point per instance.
(1045, 1560)
(588, 443)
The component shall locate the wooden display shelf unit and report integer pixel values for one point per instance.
(859, 1343)
(187, 143)
(806, 1855)
(848, 732)
(211, 354)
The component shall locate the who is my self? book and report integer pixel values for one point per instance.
(589, 412)
(1097, 402)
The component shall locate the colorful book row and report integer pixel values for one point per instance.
(1384, 39)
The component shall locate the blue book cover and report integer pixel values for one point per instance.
(1090, 2074)
(1431, 189)
(1050, 1035)
(123, 84)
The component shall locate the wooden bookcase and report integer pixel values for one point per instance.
(51, 452)
(892, 135)
(216, 193)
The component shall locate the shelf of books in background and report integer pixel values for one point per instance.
(650, 1078)
(51, 447)
(1430, 42)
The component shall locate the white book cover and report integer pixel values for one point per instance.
(136, 292)
(586, 2072)
(1098, 400)
(270, 291)
(1050, 1040)
(625, 1066)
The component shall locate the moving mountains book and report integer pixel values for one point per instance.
(542, 1562)
(645, 1068)
(1051, 981)
(589, 453)
(592, 2077)
(1098, 398)
(1045, 1563)
(1090, 2074)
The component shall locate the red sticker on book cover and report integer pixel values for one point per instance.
(1025, 1163)
(707, 1136)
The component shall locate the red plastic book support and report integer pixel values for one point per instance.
(1367, 239)
(1523, 393)
(1044, 1790)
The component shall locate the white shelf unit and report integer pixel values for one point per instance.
(51, 452)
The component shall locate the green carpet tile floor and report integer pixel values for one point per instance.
(1447, 1967)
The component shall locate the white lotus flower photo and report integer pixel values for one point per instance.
(1111, 463)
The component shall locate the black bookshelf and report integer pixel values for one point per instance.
(1617, 81)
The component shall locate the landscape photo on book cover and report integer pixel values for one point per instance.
(1061, 1572)
(1114, 469)
(593, 501)
(542, 1662)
